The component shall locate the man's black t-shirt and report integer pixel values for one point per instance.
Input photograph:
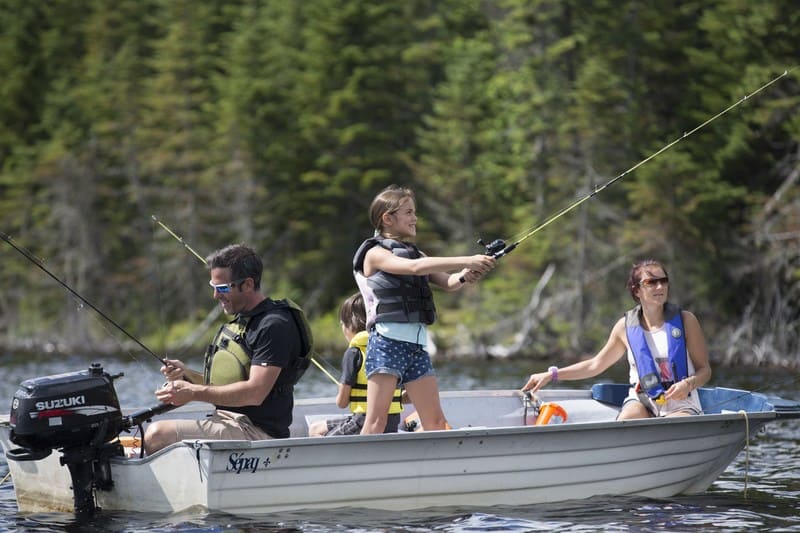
(272, 339)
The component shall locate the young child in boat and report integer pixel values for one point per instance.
(665, 347)
(394, 278)
(353, 383)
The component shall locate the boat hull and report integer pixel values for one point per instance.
(491, 460)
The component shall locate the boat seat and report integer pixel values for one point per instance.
(610, 393)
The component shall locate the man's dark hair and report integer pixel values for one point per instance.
(243, 261)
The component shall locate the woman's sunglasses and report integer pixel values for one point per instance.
(652, 282)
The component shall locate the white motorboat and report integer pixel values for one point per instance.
(495, 454)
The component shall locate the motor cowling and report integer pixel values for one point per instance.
(66, 411)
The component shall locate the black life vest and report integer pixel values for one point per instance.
(392, 297)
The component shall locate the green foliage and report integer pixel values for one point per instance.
(275, 123)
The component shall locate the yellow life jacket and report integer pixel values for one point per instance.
(358, 393)
(228, 359)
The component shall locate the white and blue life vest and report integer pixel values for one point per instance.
(649, 374)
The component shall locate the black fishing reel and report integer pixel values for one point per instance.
(497, 248)
(494, 247)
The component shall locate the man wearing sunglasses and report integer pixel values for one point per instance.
(251, 367)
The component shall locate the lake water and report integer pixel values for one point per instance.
(759, 494)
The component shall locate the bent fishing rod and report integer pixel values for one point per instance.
(200, 258)
(498, 248)
(36, 261)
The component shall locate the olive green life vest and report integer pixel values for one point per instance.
(228, 357)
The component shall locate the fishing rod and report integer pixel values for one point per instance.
(199, 257)
(179, 239)
(498, 248)
(36, 261)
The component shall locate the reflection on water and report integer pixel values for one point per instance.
(771, 476)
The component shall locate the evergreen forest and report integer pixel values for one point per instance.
(275, 123)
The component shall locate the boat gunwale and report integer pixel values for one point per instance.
(460, 432)
(760, 417)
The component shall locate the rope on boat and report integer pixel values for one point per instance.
(746, 448)
(196, 445)
(5, 478)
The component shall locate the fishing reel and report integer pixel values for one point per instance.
(497, 248)
(493, 247)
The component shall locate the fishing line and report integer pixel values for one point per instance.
(159, 292)
(203, 261)
(36, 261)
(498, 247)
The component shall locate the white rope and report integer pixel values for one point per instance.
(746, 448)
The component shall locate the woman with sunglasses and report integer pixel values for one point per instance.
(665, 346)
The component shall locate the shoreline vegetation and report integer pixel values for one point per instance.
(274, 124)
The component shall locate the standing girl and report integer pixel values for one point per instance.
(393, 276)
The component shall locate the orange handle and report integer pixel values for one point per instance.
(548, 411)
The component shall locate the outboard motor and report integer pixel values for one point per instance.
(77, 413)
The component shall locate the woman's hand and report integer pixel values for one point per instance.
(680, 390)
(537, 381)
